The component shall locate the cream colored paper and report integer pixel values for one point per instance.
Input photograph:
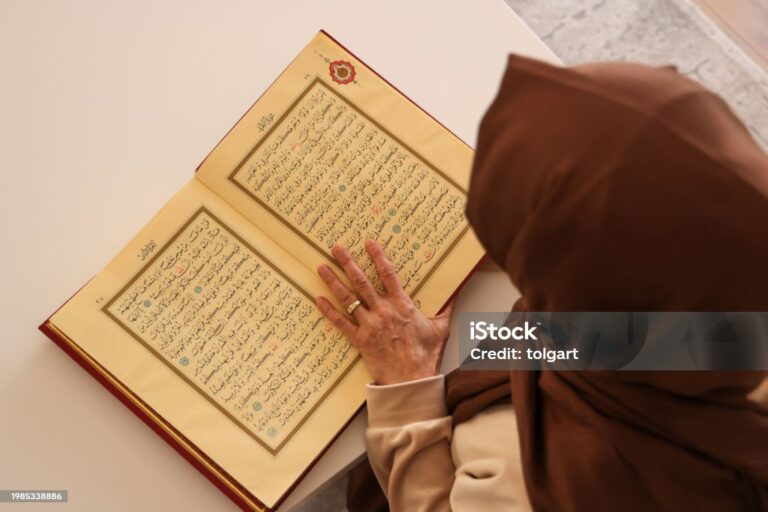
(253, 462)
(316, 162)
(207, 314)
(235, 327)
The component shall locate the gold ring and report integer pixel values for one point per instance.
(352, 307)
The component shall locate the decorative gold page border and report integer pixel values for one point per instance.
(277, 215)
(105, 310)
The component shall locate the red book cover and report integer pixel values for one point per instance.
(216, 474)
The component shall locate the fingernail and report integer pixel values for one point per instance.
(323, 270)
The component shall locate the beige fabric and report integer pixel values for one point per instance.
(424, 465)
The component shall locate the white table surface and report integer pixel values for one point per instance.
(106, 108)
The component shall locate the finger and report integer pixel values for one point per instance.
(335, 317)
(339, 289)
(442, 322)
(384, 267)
(356, 276)
(447, 312)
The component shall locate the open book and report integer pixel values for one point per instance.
(205, 323)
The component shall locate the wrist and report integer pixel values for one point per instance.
(388, 380)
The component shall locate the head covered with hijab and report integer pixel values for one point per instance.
(622, 187)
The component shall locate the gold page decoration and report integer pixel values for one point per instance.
(236, 328)
(342, 72)
(205, 322)
(334, 175)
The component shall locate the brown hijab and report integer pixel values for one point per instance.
(624, 187)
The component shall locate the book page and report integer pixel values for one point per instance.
(234, 326)
(334, 175)
(333, 154)
(215, 327)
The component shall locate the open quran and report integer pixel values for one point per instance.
(205, 323)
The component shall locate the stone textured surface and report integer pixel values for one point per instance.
(653, 32)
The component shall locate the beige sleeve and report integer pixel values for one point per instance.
(423, 465)
(409, 444)
(489, 472)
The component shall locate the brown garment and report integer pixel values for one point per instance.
(364, 493)
(621, 187)
(468, 392)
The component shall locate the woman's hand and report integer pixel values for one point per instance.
(396, 341)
